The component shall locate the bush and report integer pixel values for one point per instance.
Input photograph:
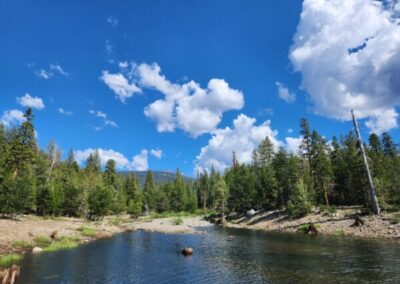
(298, 210)
(42, 241)
(9, 259)
(177, 221)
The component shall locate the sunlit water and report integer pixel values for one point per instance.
(250, 257)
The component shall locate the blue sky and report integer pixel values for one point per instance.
(93, 70)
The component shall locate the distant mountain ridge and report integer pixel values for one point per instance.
(160, 177)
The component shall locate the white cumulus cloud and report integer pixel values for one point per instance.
(348, 53)
(138, 163)
(187, 106)
(120, 85)
(242, 139)
(12, 117)
(28, 101)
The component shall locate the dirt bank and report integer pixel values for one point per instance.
(22, 233)
(337, 223)
(170, 225)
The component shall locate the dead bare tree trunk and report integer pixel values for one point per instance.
(374, 198)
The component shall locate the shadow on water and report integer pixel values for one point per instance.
(245, 257)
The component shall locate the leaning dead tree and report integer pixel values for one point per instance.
(374, 198)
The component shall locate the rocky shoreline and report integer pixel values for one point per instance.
(338, 223)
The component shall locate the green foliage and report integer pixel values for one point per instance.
(177, 221)
(9, 259)
(21, 244)
(42, 241)
(99, 201)
(63, 244)
(87, 231)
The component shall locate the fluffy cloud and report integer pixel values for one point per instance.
(293, 144)
(120, 85)
(28, 101)
(348, 53)
(100, 114)
(285, 94)
(156, 153)
(242, 139)
(138, 163)
(12, 117)
(188, 106)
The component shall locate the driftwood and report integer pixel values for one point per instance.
(10, 275)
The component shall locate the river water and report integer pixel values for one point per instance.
(247, 257)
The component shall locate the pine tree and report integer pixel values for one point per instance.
(149, 191)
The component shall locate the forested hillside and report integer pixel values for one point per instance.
(38, 181)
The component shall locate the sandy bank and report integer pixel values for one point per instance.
(166, 225)
(24, 229)
(337, 223)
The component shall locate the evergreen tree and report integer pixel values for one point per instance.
(149, 191)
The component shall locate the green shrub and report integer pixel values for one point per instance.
(177, 221)
(21, 244)
(42, 241)
(9, 259)
(87, 232)
(299, 210)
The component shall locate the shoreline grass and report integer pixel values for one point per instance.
(88, 232)
(63, 244)
(10, 259)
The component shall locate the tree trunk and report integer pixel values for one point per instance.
(373, 197)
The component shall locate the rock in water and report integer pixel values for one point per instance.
(187, 251)
(37, 250)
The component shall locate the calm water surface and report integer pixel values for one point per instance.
(250, 257)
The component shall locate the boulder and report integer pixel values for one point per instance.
(250, 212)
(187, 251)
(37, 250)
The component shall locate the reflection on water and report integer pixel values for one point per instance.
(249, 257)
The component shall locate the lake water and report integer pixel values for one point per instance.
(250, 257)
